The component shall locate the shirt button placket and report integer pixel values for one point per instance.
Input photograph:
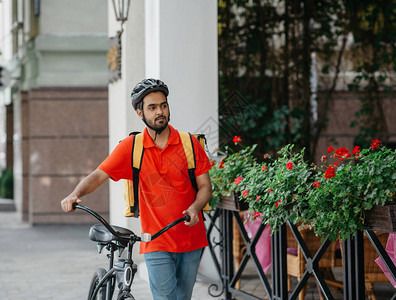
(162, 164)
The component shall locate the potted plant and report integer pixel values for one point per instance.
(225, 171)
(334, 198)
(349, 187)
(276, 189)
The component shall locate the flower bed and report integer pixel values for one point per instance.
(332, 198)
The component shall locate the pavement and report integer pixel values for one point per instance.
(48, 262)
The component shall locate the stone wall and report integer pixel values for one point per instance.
(64, 138)
(338, 132)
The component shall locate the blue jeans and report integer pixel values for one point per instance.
(172, 275)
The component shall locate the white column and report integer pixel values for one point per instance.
(175, 41)
(181, 50)
(122, 119)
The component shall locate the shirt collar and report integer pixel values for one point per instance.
(174, 138)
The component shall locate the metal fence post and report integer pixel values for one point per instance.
(279, 264)
(227, 268)
(353, 253)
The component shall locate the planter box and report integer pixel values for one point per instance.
(381, 218)
(232, 202)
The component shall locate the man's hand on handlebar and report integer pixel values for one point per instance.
(194, 218)
(67, 203)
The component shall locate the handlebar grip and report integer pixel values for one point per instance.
(187, 218)
(74, 205)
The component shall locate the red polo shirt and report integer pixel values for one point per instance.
(165, 190)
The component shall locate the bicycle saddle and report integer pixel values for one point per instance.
(99, 233)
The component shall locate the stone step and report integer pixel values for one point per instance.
(7, 204)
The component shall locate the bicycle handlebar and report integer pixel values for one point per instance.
(147, 237)
(97, 216)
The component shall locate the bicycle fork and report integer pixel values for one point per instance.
(130, 270)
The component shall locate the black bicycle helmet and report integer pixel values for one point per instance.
(145, 87)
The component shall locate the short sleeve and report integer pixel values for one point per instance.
(202, 160)
(118, 164)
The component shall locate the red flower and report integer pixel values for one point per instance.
(342, 153)
(269, 190)
(335, 164)
(264, 168)
(258, 198)
(212, 163)
(330, 149)
(323, 158)
(221, 165)
(277, 203)
(330, 172)
(356, 151)
(289, 165)
(238, 180)
(266, 156)
(245, 193)
(256, 215)
(316, 184)
(236, 155)
(375, 143)
(237, 139)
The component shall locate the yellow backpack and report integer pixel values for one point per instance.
(131, 188)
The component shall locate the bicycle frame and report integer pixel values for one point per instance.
(110, 284)
(129, 267)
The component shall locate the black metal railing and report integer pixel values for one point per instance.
(250, 253)
(215, 239)
(353, 261)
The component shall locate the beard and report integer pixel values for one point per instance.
(158, 125)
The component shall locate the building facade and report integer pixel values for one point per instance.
(65, 115)
(56, 101)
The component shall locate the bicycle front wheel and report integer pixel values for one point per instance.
(101, 294)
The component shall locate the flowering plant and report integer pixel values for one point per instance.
(350, 186)
(224, 173)
(332, 198)
(277, 188)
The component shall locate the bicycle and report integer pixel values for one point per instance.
(123, 271)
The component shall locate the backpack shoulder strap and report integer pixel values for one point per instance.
(136, 162)
(188, 146)
(189, 151)
(137, 151)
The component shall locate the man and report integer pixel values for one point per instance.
(165, 193)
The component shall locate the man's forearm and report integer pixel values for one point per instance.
(85, 187)
(90, 183)
(201, 199)
(203, 196)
